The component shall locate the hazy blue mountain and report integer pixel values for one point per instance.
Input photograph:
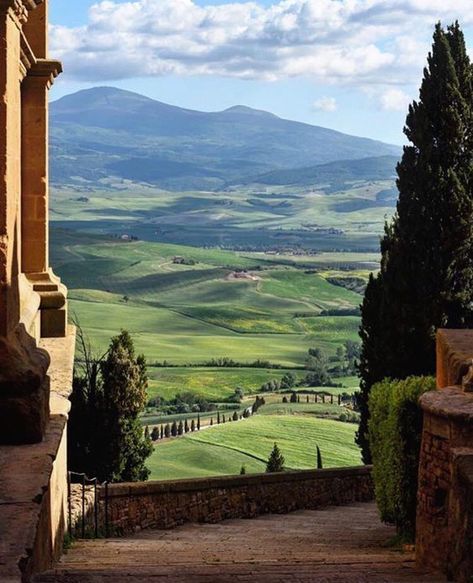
(104, 134)
(335, 174)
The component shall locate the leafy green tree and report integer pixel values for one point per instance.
(275, 461)
(288, 380)
(119, 447)
(106, 438)
(426, 276)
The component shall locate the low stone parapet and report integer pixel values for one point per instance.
(165, 505)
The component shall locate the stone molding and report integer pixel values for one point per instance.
(45, 69)
(18, 9)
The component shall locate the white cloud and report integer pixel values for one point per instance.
(327, 104)
(357, 42)
(394, 100)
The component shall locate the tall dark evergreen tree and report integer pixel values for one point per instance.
(106, 438)
(426, 276)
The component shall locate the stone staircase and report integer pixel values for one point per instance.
(337, 544)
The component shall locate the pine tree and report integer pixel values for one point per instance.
(275, 461)
(426, 276)
(320, 464)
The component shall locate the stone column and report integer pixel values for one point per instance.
(35, 197)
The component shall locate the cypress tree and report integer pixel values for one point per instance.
(155, 434)
(192, 425)
(276, 461)
(180, 428)
(426, 276)
(174, 429)
(198, 422)
(320, 464)
(167, 430)
(186, 426)
(162, 432)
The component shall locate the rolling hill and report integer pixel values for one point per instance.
(103, 136)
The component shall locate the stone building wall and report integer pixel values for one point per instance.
(36, 345)
(445, 499)
(166, 505)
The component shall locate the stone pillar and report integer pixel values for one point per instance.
(35, 197)
(445, 497)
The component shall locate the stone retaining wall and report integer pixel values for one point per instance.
(445, 498)
(165, 505)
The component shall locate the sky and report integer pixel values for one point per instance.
(350, 65)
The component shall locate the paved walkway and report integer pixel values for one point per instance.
(343, 545)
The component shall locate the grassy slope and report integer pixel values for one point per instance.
(225, 448)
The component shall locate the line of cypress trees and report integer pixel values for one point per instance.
(426, 276)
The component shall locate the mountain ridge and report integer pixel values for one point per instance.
(103, 135)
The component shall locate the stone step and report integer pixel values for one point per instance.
(344, 544)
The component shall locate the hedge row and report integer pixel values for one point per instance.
(395, 432)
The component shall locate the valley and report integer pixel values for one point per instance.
(229, 245)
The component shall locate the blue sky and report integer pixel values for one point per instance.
(351, 65)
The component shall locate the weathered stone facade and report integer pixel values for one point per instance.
(36, 346)
(445, 501)
(32, 299)
(166, 505)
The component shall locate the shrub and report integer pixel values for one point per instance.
(276, 461)
(395, 431)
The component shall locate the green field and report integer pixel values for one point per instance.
(215, 384)
(224, 449)
(180, 291)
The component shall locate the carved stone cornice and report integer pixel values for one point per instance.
(46, 70)
(18, 9)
